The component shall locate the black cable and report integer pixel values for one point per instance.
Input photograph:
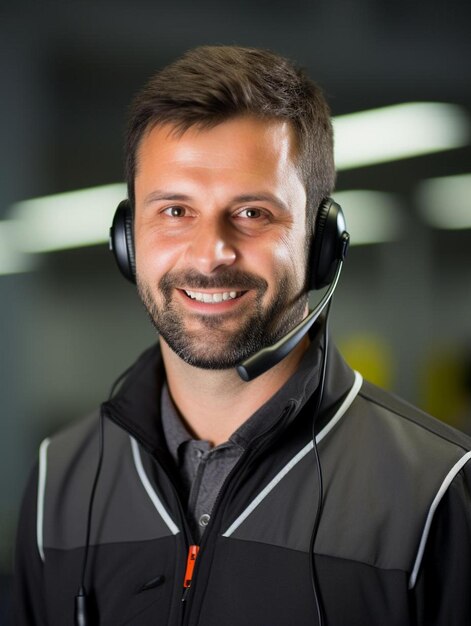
(320, 500)
(92, 499)
(82, 600)
(82, 603)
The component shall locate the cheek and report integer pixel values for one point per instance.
(154, 258)
(288, 261)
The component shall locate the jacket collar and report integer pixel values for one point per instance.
(137, 408)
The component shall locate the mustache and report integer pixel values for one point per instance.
(235, 280)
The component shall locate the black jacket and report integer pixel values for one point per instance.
(392, 548)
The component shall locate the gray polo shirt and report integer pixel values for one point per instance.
(204, 469)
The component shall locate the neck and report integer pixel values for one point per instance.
(214, 403)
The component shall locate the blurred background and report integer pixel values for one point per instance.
(69, 324)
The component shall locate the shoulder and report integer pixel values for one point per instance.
(409, 426)
(68, 460)
(428, 460)
(384, 431)
(388, 468)
(72, 465)
(74, 436)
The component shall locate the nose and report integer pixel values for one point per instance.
(211, 247)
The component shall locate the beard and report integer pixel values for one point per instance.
(213, 345)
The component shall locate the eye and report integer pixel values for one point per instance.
(175, 211)
(251, 213)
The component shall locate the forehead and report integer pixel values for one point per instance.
(239, 141)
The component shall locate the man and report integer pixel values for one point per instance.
(199, 497)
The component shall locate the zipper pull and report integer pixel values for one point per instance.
(190, 566)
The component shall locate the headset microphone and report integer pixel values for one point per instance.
(268, 357)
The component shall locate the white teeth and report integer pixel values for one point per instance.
(211, 298)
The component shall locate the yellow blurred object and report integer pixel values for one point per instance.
(443, 386)
(371, 356)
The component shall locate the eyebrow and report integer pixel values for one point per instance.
(265, 197)
(164, 195)
(252, 197)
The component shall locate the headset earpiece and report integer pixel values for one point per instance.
(122, 240)
(329, 244)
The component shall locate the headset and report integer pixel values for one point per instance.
(327, 250)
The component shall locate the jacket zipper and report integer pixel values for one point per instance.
(191, 547)
(190, 566)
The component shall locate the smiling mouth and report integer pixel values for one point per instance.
(213, 298)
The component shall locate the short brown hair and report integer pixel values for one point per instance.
(211, 84)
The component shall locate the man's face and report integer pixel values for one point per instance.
(220, 235)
